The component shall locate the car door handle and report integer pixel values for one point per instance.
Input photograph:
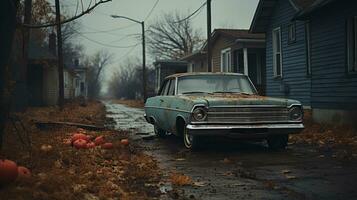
(161, 100)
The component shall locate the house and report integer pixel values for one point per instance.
(164, 68)
(42, 76)
(233, 50)
(75, 79)
(197, 61)
(311, 54)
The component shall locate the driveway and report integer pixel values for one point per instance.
(231, 169)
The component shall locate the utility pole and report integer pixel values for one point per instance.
(144, 61)
(209, 50)
(59, 56)
(25, 54)
(144, 55)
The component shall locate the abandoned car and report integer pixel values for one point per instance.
(195, 105)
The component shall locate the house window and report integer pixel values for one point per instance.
(352, 44)
(292, 33)
(308, 48)
(277, 58)
(226, 60)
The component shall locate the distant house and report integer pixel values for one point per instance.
(165, 68)
(197, 62)
(75, 78)
(311, 54)
(233, 50)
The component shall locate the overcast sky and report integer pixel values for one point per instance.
(99, 27)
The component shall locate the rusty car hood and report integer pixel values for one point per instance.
(239, 99)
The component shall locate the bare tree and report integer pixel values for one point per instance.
(172, 38)
(127, 82)
(97, 63)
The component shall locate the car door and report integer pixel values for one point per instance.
(168, 102)
(160, 118)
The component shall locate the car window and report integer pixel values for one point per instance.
(166, 88)
(172, 88)
(215, 83)
(163, 88)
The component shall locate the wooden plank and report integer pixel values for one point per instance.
(45, 125)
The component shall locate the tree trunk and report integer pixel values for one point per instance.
(8, 11)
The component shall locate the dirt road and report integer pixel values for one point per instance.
(229, 169)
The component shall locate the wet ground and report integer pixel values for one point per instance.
(230, 169)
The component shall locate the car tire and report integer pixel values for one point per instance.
(190, 141)
(159, 132)
(278, 142)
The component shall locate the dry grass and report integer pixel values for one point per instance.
(180, 179)
(327, 136)
(67, 173)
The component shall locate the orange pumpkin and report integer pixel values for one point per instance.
(124, 142)
(90, 145)
(23, 173)
(77, 136)
(80, 144)
(107, 145)
(99, 140)
(8, 171)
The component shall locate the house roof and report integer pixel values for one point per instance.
(196, 54)
(265, 10)
(314, 6)
(170, 63)
(234, 34)
(304, 4)
(262, 16)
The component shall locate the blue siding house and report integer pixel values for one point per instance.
(311, 54)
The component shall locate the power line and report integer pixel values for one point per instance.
(192, 14)
(103, 44)
(128, 52)
(124, 37)
(108, 30)
(152, 9)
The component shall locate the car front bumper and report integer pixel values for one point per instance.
(250, 130)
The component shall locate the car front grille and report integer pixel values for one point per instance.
(248, 115)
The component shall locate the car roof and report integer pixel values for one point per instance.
(203, 73)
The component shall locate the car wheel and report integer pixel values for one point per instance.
(190, 141)
(278, 142)
(159, 132)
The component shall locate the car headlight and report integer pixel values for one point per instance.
(199, 114)
(296, 113)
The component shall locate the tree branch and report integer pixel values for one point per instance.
(90, 8)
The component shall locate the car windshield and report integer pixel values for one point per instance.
(215, 84)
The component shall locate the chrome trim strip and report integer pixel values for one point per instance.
(228, 127)
(255, 106)
(198, 105)
(246, 112)
(244, 123)
(173, 109)
(248, 106)
(295, 104)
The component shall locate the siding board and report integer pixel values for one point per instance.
(294, 57)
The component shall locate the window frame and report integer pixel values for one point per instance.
(292, 32)
(228, 52)
(275, 71)
(172, 85)
(352, 45)
(163, 87)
